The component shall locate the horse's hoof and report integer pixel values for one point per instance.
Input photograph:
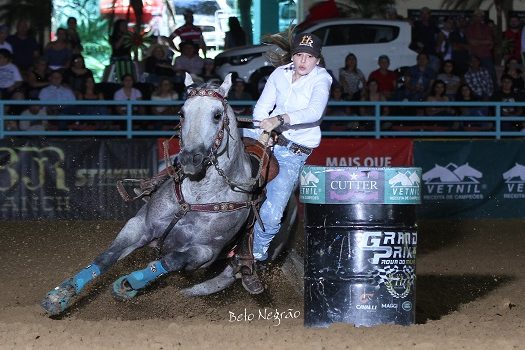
(58, 300)
(122, 289)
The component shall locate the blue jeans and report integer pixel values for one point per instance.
(278, 192)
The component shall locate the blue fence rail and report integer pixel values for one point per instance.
(378, 124)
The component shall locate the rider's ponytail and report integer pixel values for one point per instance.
(282, 54)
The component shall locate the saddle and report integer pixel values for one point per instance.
(263, 162)
(262, 159)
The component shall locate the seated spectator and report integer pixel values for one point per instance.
(14, 110)
(238, 93)
(157, 65)
(421, 78)
(90, 92)
(513, 68)
(451, 80)
(33, 110)
(371, 93)
(56, 91)
(506, 93)
(77, 74)
(10, 78)
(164, 92)
(385, 78)
(57, 52)
(466, 94)
(401, 92)
(479, 79)
(208, 72)
(351, 78)
(38, 77)
(17, 95)
(4, 32)
(127, 93)
(437, 94)
(336, 95)
(189, 60)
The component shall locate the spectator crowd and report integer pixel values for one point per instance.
(57, 72)
(456, 61)
(457, 56)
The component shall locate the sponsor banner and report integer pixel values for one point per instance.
(173, 149)
(338, 185)
(70, 179)
(472, 179)
(342, 152)
(363, 153)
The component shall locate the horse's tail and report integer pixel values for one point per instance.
(213, 285)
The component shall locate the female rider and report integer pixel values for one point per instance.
(293, 101)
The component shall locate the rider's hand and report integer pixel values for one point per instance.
(270, 124)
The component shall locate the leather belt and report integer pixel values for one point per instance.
(292, 146)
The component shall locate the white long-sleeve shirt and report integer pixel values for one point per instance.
(303, 100)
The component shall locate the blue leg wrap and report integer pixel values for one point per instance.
(139, 279)
(85, 276)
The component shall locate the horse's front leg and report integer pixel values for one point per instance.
(126, 287)
(132, 236)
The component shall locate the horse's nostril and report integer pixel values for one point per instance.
(197, 159)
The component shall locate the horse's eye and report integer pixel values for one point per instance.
(217, 117)
(181, 115)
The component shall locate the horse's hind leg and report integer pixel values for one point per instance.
(126, 287)
(214, 285)
(131, 237)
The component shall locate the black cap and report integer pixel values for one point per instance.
(308, 43)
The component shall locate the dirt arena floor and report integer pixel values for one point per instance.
(470, 295)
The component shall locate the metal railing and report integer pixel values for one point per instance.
(397, 123)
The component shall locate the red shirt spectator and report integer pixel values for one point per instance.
(480, 36)
(385, 78)
(188, 32)
(513, 34)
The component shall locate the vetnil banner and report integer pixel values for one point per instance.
(472, 179)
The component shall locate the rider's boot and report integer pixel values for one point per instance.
(250, 280)
(244, 265)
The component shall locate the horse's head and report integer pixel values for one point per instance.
(466, 170)
(206, 119)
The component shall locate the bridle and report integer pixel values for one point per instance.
(213, 154)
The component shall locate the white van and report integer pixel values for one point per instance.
(366, 38)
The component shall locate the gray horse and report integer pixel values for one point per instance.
(217, 176)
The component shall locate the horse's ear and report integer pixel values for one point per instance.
(226, 85)
(188, 80)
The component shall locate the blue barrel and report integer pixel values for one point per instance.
(360, 245)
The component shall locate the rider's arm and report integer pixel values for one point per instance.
(317, 103)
